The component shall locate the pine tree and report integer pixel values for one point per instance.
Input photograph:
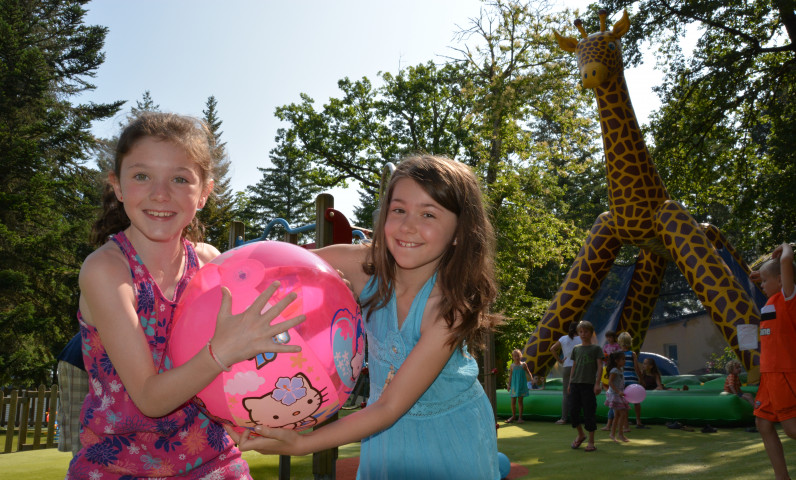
(287, 190)
(217, 212)
(366, 210)
(146, 104)
(47, 194)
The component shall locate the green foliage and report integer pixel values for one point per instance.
(287, 190)
(364, 213)
(533, 138)
(146, 104)
(415, 111)
(510, 107)
(47, 195)
(216, 215)
(717, 362)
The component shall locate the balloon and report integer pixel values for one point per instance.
(635, 393)
(286, 390)
(504, 465)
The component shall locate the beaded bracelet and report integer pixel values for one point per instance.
(210, 350)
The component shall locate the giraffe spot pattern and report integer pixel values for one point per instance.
(641, 213)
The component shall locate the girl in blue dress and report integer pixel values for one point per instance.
(518, 388)
(426, 284)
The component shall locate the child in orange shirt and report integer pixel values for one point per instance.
(776, 396)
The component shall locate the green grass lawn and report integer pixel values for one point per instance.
(544, 449)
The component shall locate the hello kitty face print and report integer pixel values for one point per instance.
(292, 403)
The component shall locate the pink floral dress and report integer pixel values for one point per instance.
(120, 442)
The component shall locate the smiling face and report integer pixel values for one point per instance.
(418, 230)
(161, 188)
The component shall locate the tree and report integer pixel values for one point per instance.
(146, 104)
(510, 107)
(47, 194)
(723, 140)
(287, 190)
(365, 211)
(536, 143)
(103, 151)
(217, 212)
(352, 137)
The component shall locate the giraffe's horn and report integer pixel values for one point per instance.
(579, 25)
(603, 14)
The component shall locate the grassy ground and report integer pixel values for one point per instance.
(660, 452)
(544, 449)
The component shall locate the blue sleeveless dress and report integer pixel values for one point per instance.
(519, 383)
(450, 431)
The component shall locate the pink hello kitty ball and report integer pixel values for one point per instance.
(285, 390)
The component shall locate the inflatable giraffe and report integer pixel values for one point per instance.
(642, 214)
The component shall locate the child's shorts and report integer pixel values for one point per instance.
(615, 401)
(776, 396)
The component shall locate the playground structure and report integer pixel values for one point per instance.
(331, 227)
(643, 215)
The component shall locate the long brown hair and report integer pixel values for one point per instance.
(189, 133)
(466, 270)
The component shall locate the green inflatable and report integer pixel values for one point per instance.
(703, 403)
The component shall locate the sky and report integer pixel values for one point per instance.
(256, 55)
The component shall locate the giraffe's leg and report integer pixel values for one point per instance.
(720, 241)
(717, 289)
(573, 296)
(641, 296)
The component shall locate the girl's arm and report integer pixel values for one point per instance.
(107, 301)
(556, 349)
(348, 259)
(413, 378)
(613, 381)
(659, 382)
(528, 371)
(637, 366)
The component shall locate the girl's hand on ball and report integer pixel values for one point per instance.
(235, 436)
(268, 441)
(347, 283)
(250, 333)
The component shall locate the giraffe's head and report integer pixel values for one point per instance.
(599, 54)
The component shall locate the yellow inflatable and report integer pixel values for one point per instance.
(642, 214)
